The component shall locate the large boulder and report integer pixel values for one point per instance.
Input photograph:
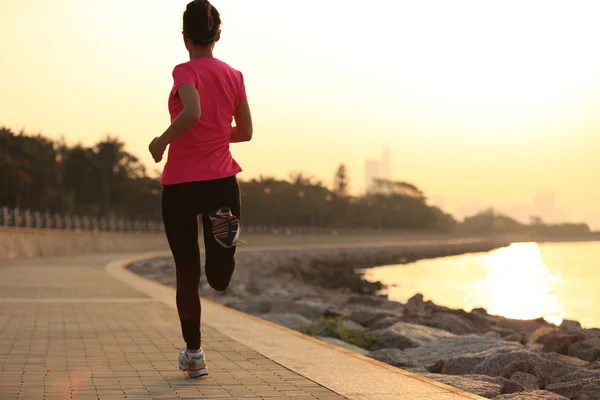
(365, 300)
(459, 346)
(571, 326)
(592, 333)
(542, 334)
(392, 339)
(582, 389)
(506, 326)
(453, 322)
(457, 323)
(588, 350)
(480, 385)
(415, 306)
(572, 361)
(383, 323)
(368, 317)
(527, 381)
(560, 341)
(417, 335)
(507, 363)
(394, 357)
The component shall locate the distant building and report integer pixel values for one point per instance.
(377, 169)
(372, 172)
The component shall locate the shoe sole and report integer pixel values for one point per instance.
(198, 374)
(194, 374)
(235, 239)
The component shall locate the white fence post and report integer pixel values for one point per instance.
(27, 219)
(47, 220)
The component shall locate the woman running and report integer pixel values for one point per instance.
(200, 174)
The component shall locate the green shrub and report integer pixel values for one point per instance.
(333, 327)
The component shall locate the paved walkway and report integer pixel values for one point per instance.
(70, 330)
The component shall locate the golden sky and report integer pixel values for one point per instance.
(482, 103)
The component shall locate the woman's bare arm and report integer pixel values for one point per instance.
(242, 131)
(190, 99)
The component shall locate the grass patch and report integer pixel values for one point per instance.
(334, 327)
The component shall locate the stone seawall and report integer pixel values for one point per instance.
(32, 243)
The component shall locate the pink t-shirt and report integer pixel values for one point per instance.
(202, 153)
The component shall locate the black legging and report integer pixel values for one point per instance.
(181, 205)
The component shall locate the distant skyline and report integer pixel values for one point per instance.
(379, 168)
(542, 204)
(483, 104)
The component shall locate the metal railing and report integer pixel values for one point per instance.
(18, 218)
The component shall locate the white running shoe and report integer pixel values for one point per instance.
(193, 363)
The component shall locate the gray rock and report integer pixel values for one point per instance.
(455, 323)
(344, 345)
(583, 389)
(383, 323)
(480, 385)
(535, 395)
(519, 337)
(594, 366)
(560, 341)
(570, 325)
(588, 350)
(459, 348)
(392, 339)
(561, 358)
(419, 335)
(592, 333)
(289, 320)
(394, 357)
(527, 381)
(368, 317)
(542, 334)
(507, 363)
(352, 326)
(365, 300)
(415, 306)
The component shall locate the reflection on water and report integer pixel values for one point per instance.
(518, 284)
(522, 281)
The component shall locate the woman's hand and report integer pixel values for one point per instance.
(157, 149)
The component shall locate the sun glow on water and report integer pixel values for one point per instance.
(519, 285)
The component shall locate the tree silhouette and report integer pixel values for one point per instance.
(105, 180)
(341, 181)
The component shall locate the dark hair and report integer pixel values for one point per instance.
(201, 22)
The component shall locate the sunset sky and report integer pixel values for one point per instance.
(482, 103)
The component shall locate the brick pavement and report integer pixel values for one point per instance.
(70, 331)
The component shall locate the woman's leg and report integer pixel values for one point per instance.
(220, 261)
(180, 216)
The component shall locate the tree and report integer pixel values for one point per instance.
(341, 181)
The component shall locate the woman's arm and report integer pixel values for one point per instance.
(242, 131)
(190, 99)
(187, 118)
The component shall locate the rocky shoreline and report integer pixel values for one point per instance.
(320, 292)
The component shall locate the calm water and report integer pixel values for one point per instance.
(525, 280)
